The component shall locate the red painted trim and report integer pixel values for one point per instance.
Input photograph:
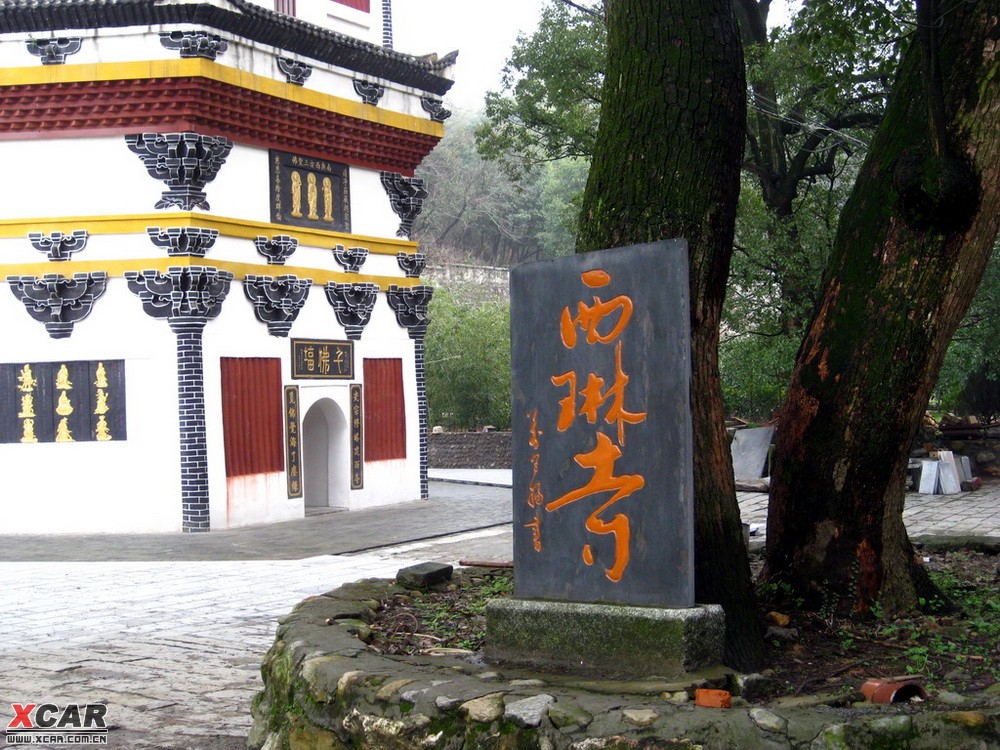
(363, 5)
(385, 414)
(210, 108)
(252, 424)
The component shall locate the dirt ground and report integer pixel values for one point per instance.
(809, 652)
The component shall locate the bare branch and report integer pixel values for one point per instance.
(587, 11)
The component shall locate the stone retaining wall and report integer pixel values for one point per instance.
(324, 689)
(984, 455)
(469, 450)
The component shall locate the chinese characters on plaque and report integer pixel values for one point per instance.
(322, 360)
(357, 439)
(293, 453)
(62, 402)
(603, 488)
(309, 192)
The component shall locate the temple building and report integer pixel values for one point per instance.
(213, 313)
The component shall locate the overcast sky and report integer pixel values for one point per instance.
(483, 32)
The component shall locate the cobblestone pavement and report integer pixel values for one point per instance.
(174, 648)
(171, 636)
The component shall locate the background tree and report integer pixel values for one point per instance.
(468, 363)
(969, 382)
(912, 245)
(816, 89)
(666, 164)
(478, 212)
(475, 211)
(550, 102)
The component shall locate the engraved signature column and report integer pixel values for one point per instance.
(410, 305)
(188, 297)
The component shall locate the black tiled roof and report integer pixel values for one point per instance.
(241, 18)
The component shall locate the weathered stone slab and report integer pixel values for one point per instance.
(602, 474)
(750, 449)
(949, 459)
(529, 712)
(424, 574)
(929, 471)
(604, 639)
(949, 480)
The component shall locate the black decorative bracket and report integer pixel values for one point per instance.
(369, 92)
(277, 249)
(412, 264)
(353, 305)
(57, 301)
(187, 241)
(350, 259)
(59, 246)
(194, 43)
(295, 72)
(410, 305)
(435, 108)
(185, 162)
(277, 301)
(186, 296)
(55, 50)
(406, 196)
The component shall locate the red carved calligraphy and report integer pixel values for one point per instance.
(590, 317)
(602, 322)
(535, 494)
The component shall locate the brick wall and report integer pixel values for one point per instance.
(470, 450)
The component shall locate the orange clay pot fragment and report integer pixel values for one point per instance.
(893, 690)
(713, 698)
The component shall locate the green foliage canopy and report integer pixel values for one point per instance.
(478, 213)
(467, 350)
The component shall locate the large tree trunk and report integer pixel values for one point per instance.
(666, 164)
(912, 246)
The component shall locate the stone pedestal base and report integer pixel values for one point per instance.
(604, 640)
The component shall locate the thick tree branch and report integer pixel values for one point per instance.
(587, 11)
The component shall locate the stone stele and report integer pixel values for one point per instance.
(603, 486)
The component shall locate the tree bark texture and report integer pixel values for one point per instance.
(666, 164)
(913, 243)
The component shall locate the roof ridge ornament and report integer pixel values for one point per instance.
(186, 162)
(58, 246)
(410, 304)
(369, 91)
(412, 264)
(57, 301)
(294, 71)
(53, 51)
(435, 108)
(406, 197)
(350, 259)
(194, 43)
(277, 249)
(353, 305)
(187, 241)
(276, 300)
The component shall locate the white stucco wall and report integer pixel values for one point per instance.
(118, 485)
(134, 484)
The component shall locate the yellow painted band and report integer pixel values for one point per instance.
(200, 67)
(117, 268)
(226, 226)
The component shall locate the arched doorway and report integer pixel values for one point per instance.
(325, 456)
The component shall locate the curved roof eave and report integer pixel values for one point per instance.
(243, 19)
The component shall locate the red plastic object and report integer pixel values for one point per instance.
(713, 698)
(893, 690)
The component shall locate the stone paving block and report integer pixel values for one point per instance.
(189, 615)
